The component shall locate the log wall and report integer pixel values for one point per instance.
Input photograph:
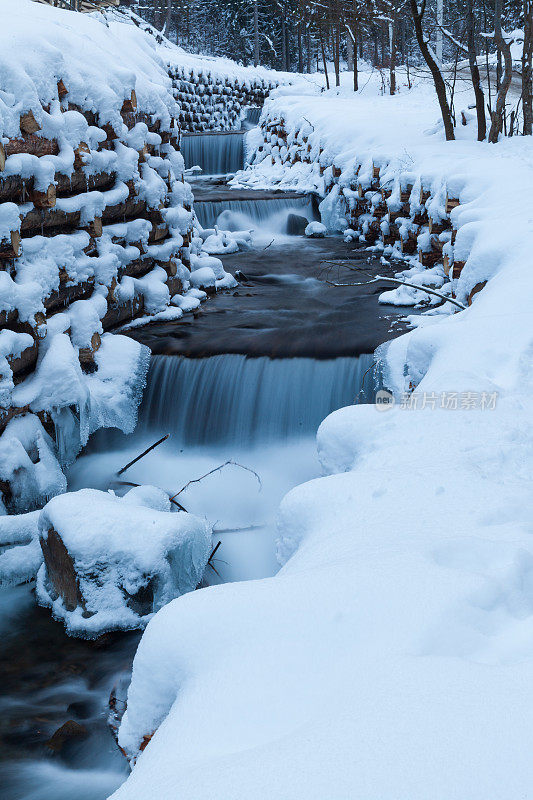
(81, 224)
(407, 216)
(212, 103)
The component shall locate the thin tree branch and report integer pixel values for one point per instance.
(142, 455)
(228, 463)
(402, 283)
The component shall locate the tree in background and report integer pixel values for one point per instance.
(467, 40)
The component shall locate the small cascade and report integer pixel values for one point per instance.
(271, 214)
(246, 401)
(251, 119)
(215, 153)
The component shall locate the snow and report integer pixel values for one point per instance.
(391, 655)
(202, 278)
(28, 463)
(120, 546)
(316, 230)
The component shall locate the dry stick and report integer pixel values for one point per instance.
(403, 283)
(238, 530)
(142, 455)
(209, 560)
(228, 463)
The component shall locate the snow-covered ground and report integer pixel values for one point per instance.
(391, 657)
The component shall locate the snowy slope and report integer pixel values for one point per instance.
(391, 657)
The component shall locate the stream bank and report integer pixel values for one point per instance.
(247, 377)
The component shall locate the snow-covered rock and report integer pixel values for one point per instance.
(316, 230)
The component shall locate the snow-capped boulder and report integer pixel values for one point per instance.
(316, 230)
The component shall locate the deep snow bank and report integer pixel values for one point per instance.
(391, 656)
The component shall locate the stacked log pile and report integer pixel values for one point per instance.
(399, 211)
(211, 102)
(95, 229)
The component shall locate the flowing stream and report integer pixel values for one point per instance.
(260, 413)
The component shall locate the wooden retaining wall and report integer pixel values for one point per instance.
(406, 223)
(60, 209)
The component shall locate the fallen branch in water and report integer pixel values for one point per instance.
(402, 283)
(228, 463)
(142, 455)
(268, 245)
(238, 530)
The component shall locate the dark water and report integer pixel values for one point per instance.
(48, 679)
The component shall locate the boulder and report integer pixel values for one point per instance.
(296, 225)
(316, 230)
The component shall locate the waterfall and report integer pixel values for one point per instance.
(215, 153)
(251, 119)
(234, 399)
(268, 213)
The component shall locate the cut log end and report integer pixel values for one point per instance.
(11, 246)
(86, 354)
(130, 104)
(46, 199)
(61, 89)
(94, 228)
(61, 571)
(28, 123)
(79, 155)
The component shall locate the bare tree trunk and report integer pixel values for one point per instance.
(392, 47)
(438, 80)
(283, 43)
(168, 19)
(337, 48)
(497, 117)
(287, 48)
(355, 62)
(440, 25)
(349, 48)
(474, 71)
(321, 36)
(309, 47)
(256, 34)
(300, 51)
(497, 35)
(527, 69)
(383, 45)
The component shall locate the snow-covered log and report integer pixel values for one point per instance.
(111, 562)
